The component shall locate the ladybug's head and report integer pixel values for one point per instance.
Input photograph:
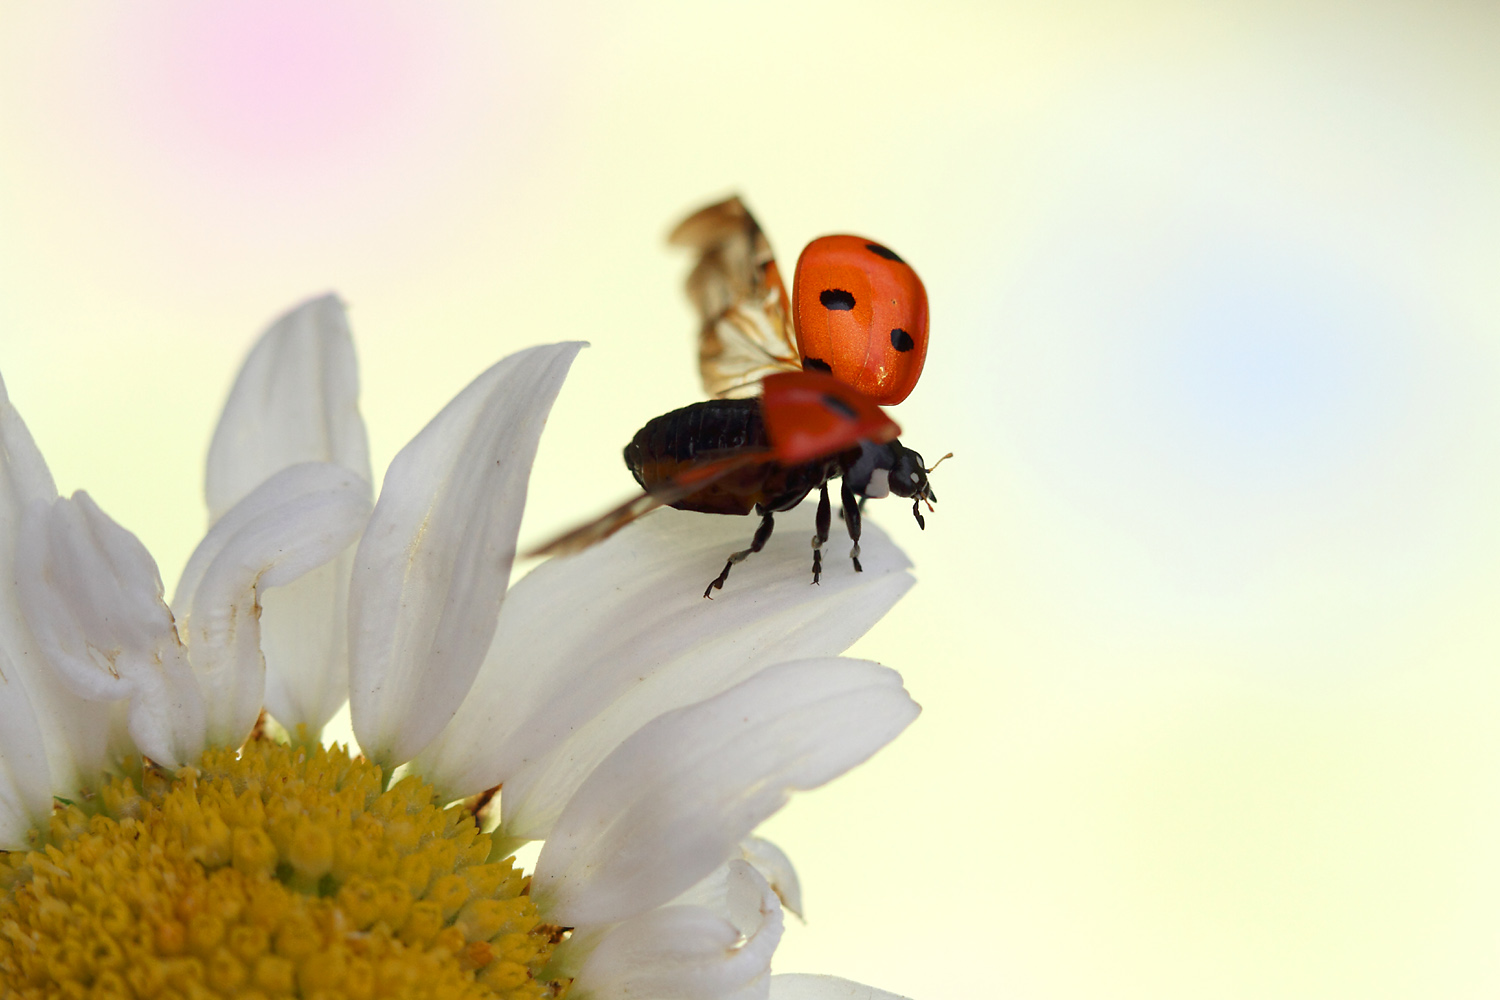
(882, 469)
(908, 475)
(908, 478)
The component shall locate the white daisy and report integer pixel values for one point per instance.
(640, 732)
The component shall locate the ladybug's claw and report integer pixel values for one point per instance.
(762, 534)
(821, 534)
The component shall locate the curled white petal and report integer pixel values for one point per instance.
(92, 595)
(433, 565)
(592, 647)
(722, 890)
(801, 986)
(294, 522)
(296, 399)
(666, 807)
(93, 599)
(51, 741)
(691, 952)
(776, 868)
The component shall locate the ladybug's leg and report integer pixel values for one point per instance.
(851, 521)
(825, 518)
(762, 534)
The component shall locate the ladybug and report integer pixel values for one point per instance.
(857, 310)
(766, 454)
(790, 413)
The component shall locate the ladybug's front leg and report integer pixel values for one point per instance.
(851, 521)
(762, 535)
(825, 518)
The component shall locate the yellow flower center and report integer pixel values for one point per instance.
(268, 873)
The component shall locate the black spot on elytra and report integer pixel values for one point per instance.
(840, 407)
(816, 365)
(886, 252)
(901, 340)
(836, 298)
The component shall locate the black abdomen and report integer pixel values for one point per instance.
(718, 428)
(710, 429)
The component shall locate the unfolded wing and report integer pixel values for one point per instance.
(736, 287)
(684, 484)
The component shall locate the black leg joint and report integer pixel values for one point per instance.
(762, 535)
(851, 521)
(820, 536)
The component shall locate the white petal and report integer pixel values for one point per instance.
(801, 986)
(296, 399)
(723, 891)
(304, 636)
(776, 868)
(93, 599)
(51, 741)
(294, 522)
(92, 595)
(26, 474)
(591, 647)
(25, 785)
(25, 779)
(674, 799)
(433, 565)
(691, 952)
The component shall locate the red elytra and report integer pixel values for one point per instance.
(860, 312)
(810, 415)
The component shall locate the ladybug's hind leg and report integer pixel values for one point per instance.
(851, 521)
(820, 536)
(762, 535)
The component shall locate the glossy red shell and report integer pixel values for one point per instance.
(862, 311)
(809, 415)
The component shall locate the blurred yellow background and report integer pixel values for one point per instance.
(1206, 629)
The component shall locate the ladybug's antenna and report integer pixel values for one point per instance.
(940, 462)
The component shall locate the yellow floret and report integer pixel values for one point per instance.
(270, 873)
